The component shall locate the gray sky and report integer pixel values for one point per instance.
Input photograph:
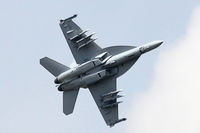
(29, 100)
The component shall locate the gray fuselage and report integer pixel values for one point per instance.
(102, 66)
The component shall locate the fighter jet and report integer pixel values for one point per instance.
(98, 69)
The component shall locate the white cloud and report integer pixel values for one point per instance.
(172, 103)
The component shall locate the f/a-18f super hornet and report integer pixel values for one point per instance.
(98, 69)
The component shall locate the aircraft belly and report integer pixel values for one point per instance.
(124, 67)
(86, 80)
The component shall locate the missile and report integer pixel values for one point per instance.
(111, 94)
(63, 20)
(111, 98)
(90, 41)
(115, 122)
(78, 35)
(111, 105)
(85, 38)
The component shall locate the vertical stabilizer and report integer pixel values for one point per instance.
(69, 100)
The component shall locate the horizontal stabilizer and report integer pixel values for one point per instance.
(69, 100)
(52, 66)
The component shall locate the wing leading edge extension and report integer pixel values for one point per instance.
(82, 46)
(105, 96)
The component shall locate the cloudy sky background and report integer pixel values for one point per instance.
(162, 89)
(172, 103)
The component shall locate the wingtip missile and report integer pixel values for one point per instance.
(63, 20)
(115, 122)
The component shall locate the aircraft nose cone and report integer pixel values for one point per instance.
(150, 46)
(157, 43)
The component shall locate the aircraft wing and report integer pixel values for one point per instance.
(82, 46)
(105, 95)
